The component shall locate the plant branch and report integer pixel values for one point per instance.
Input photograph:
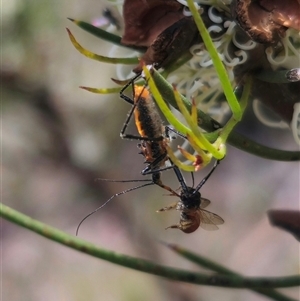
(141, 264)
(206, 263)
(219, 66)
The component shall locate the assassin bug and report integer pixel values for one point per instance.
(153, 135)
(148, 123)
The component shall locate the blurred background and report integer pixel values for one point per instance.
(58, 139)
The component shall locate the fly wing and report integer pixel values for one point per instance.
(209, 220)
(204, 203)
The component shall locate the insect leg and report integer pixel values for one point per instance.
(123, 96)
(169, 128)
(207, 177)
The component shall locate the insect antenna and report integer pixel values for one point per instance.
(113, 196)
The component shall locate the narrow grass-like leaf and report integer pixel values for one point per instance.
(102, 90)
(104, 35)
(101, 58)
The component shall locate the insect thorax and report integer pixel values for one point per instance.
(190, 199)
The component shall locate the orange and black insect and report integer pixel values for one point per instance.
(153, 138)
(191, 206)
(153, 135)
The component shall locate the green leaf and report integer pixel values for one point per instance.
(100, 58)
(102, 90)
(104, 35)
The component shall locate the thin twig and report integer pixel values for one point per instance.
(145, 265)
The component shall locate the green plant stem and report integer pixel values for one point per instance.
(206, 263)
(232, 122)
(219, 66)
(210, 125)
(144, 265)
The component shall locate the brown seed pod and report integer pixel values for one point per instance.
(257, 22)
(286, 13)
(170, 44)
(146, 19)
(161, 26)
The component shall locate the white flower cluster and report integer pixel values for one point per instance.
(197, 79)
